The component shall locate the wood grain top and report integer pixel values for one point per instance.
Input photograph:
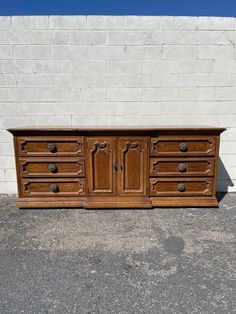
(185, 128)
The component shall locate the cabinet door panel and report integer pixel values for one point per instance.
(101, 172)
(132, 176)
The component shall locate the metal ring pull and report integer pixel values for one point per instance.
(182, 167)
(181, 187)
(183, 147)
(53, 188)
(51, 147)
(52, 167)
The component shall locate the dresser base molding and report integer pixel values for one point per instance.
(50, 203)
(184, 202)
(118, 203)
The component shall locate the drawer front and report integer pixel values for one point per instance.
(51, 146)
(52, 188)
(182, 146)
(170, 167)
(52, 167)
(181, 186)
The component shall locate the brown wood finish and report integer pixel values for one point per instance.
(116, 167)
(184, 167)
(52, 167)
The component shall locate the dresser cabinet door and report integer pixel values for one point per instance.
(132, 166)
(101, 174)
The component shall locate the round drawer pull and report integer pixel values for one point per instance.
(182, 167)
(53, 188)
(181, 187)
(183, 147)
(51, 147)
(52, 167)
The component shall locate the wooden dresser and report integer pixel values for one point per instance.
(116, 167)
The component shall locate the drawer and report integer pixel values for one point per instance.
(170, 167)
(181, 186)
(52, 167)
(182, 146)
(50, 146)
(52, 187)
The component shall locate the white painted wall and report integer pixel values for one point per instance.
(117, 70)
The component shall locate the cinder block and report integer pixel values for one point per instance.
(34, 120)
(6, 52)
(5, 22)
(225, 120)
(7, 162)
(229, 135)
(89, 94)
(34, 80)
(153, 37)
(228, 159)
(17, 94)
(226, 66)
(160, 120)
(8, 175)
(32, 52)
(107, 80)
(89, 121)
(225, 93)
(125, 38)
(224, 107)
(6, 149)
(80, 81)
(52, 94)
(216, 52)
(195, 66)
(194, 94)
(15, 66)
(195, 108)
(8, 187)
(124, 121)
(143, 22)
(7, 108)
(67, 22)
(5, 137)
(50, 38)
(87, 37)
(51, 67)
(15, 37)
(124, 94)
(227, 148)
(143, 52)
(215, 23)
(105, 22)
(142, 108)
(107, 53)
(37, 109)
(160, 66)
(30, 22)
(191, 120)
(143, 80)
(179, 22)
(70, 52)
(7, 80)
(87, 66)
(160, 94)
(124, 67)
(183, 52)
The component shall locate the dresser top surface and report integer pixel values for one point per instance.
(118, 128)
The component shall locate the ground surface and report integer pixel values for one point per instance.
(118, 261)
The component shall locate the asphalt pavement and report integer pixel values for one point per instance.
(162, 260)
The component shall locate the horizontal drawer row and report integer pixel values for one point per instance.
(74, 146)
(50, 146)
(52, 167)
(170, 167)
(76, 187)
(168, 146)
(50, 187)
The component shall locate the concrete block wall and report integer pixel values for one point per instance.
(117, 70)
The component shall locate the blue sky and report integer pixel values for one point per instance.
(119, 7)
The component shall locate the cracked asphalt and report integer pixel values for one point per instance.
(163, 260)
